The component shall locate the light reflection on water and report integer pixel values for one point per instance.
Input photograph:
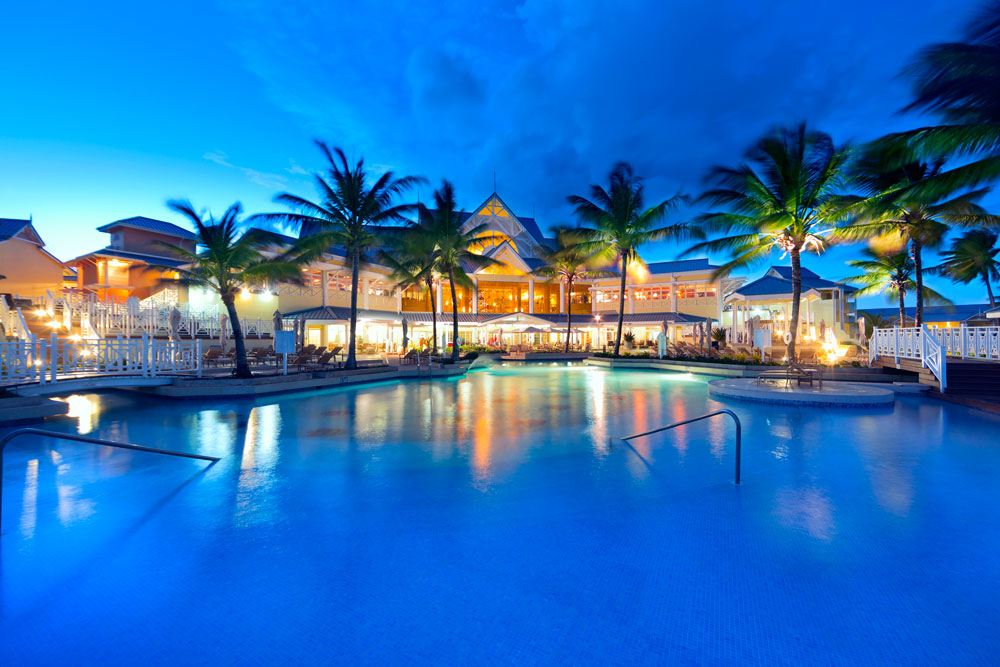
(415, 505)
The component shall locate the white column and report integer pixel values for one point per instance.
(593, 299)
(439, 292)
(562, 297)
(475, 295)
(673, 295)
(531, 295)
(324, 285)
(399, 300)
(363, 286)
(631, 300)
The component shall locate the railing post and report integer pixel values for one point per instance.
(53, 355)
(197, 354)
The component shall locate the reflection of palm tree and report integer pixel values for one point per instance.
(893, 204)
(890, 274)
(227, 262)
(412, 256)
(783, 198)
(568, 261)
(620, 224)
(453, 248)
(973, 256)
(348, 216)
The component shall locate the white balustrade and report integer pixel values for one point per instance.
(51, 360)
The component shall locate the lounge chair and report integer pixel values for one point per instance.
(212, 356)
(325, 359)
(409, 358)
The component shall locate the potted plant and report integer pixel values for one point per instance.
(629, 339)
(719, 338)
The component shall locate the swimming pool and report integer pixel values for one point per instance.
(486, 519)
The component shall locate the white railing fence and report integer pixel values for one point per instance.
(13, 322)
(53, 359)
(923, 344)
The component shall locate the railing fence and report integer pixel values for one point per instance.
(55, 359)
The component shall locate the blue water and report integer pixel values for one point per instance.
(486, 520)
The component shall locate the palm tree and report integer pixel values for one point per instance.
(227, 262)
(873, 321)
(620, 224)
(783, 197)
(453, 248)
(349, 216)
(891, 274)
(959, 81)
(412, 256)
(894, 204)
(568, 261)
(973, 256)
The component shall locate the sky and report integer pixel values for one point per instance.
(110, 109)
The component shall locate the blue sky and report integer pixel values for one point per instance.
(113, 108)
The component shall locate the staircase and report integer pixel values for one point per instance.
(978, 380)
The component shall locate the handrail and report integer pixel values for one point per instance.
(94, 441)
(736, 420)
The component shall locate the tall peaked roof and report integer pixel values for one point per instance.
(12, 227)
(495, 205)
(786, 272)
(150, 225)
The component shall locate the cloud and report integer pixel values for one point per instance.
(261, 178)
(549, 94)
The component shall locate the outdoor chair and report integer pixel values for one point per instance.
(212, 356)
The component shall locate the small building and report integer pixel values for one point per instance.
(759, 312)
(970, 314)
(28, 269)
(121, 269)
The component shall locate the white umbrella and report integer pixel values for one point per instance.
(406, 339)
(223, 321)
(175, 323)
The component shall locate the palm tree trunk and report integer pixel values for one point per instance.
(918, 277)
(569, 312)
(621, 306)
(454, 316)
(793, 327)
(434, 318)
(352, 355)
(902, 308)
(989, 290)
(242, 367)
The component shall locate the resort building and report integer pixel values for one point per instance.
(26, 266)
(114, 291)
(508, 305)
(121, 269)
(758, 313)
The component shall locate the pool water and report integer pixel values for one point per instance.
(487, 519)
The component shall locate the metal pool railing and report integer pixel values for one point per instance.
(93, 441)
(736, 420)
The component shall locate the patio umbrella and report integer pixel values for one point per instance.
(223, 321)
(174, 322)
(302, 331)
(533, 330)
(277, 322)
(406, 339)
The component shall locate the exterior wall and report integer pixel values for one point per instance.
(30, 270)
(144, 241)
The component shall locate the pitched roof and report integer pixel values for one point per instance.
(127, 254)
(769, 284)
(956, 313)
(786, 272)
(681, 265)
(11, 226)
(151, 225)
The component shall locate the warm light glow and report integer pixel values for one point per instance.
(55, 324)
(266, 296)
(76, 338)
(637, 270)
(245, 293)
(83, 410)
(41, 312)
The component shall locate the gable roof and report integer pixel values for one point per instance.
(769, 284)
(149, 225)
(955, 313)
(11, 227)
(786, 272)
